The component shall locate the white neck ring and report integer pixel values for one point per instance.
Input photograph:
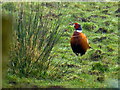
(79, 30)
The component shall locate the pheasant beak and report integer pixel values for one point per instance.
(71, 23)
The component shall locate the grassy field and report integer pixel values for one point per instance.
(98, 68)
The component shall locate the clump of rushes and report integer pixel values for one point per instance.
(34, 37)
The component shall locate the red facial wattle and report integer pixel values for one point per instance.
(77, 26)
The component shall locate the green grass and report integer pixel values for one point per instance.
(98, 68)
